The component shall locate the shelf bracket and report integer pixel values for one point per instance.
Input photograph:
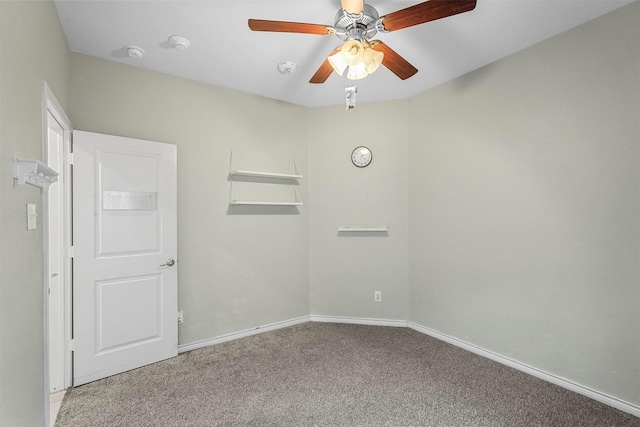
(34, 172)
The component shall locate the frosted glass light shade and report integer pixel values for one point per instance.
(372, 59)
(357, 72)
(353, 52)
(338, 62)
(360, 60)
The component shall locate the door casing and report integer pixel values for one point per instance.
(50, 105)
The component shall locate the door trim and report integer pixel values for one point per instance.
(50, 105)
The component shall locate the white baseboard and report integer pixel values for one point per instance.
(564, 383)
(359, 321)
(241, 334)
(286, 323)
(569, 385)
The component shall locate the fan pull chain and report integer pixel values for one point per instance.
(350, 93)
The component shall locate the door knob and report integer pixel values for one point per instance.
(169, 263)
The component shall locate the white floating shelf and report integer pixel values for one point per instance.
(34, 172)
(249, 203)
(362, 228)
(239, 172)
(293, 201)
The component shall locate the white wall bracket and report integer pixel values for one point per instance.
(34, 172)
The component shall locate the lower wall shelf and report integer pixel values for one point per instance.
(264, 184)
(362, 228)
(250, 203)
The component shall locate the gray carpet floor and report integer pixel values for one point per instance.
(331, 375)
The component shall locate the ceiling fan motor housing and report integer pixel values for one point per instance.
(361, 26)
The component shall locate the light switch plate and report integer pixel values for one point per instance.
(32, 216)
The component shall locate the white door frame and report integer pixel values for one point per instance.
(50, 105)
(56, 245)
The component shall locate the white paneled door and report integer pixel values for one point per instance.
(125, 247)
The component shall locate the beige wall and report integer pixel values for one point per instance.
(524, 206)
(512, 198)
(32, 50)
(238, 268)
(347, 268)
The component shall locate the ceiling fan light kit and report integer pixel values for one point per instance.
(361, 59)
(357, 23)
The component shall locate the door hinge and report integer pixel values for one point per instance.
(72, 345)
(70, 252)
(70, 158)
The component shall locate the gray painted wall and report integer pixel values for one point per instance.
(346, 269)
(238, 269)
(33, 49)
(525, 206)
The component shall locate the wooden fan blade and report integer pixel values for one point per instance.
(290, 27)
(352, 6)
(325, 69)
(393, 61)
(425, 12)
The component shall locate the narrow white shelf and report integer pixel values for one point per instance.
(34, 172)
(295, 200)
(240, 172)
(362, 228)
(249, 203)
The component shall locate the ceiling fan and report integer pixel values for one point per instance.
(357, 23)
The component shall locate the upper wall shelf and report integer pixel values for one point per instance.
(297, 174)
(34, 172)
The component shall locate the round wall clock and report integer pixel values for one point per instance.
(361, 156)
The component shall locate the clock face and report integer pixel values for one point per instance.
(361, 157)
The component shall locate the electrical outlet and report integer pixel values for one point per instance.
(180, 316)
(377, 296)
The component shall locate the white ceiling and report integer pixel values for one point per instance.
(224, 52)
